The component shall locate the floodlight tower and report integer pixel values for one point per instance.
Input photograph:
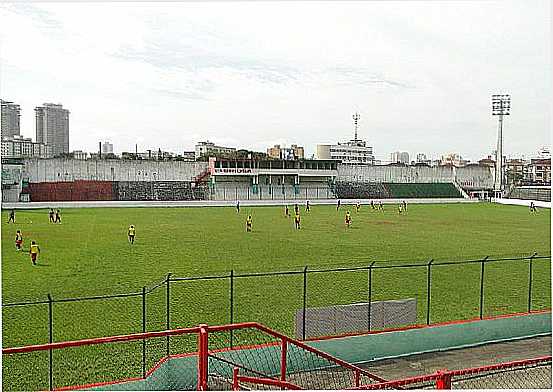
(356, 118)
(501, 106)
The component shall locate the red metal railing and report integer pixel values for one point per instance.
(204, 353)
(442, 379)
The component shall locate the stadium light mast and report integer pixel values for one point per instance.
(356, 118)
(501, 106)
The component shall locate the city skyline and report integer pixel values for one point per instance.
(183, 73)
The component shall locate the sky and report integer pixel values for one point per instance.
(254, 74)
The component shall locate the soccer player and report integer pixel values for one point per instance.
(338, 205)
(357, 206)
(249, 223)
(307, 206)
(372, 205)
(348, 219)
(404, 206)
(58, 217)
(18, 240)
(533, 207)
(286, 211)
(296, 209)
(12, 216)
(297, 221)
(380, 206)
(399, 208)
(238, 207)
(34, 251)
(51, 215)
(131, 234)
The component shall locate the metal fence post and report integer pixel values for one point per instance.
(428, 292)
(443, 381)
(304, 302)
(482, 263)
(167, 308)
(530, 282)
(231, 294)
(370, 295)
(144, 330)
(50, 340)
(203, 360)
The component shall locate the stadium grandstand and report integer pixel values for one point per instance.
(61, 179)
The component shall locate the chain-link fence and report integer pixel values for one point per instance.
(243, 356)
(525, 374)
(219, 355)
(304, 303)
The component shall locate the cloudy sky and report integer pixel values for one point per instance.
(252, 74)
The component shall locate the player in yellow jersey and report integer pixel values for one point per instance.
(357, 207)
(249, 222)
(18, 240)
(297, 221)
(348, 219)
(131, 233)
(34, 251)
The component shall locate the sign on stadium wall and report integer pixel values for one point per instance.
(232, 170)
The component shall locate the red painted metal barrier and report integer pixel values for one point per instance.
(205, 356)
(443, 379)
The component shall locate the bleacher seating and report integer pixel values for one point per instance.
(158, 190)
(361, 190)
(377, 190)
(423, 190)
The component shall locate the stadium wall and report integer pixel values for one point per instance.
(59, 170)
(43, 172)
(65, 170)
(468, 177)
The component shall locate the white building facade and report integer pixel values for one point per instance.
(354, 152)
(207, 148)
(20, 147)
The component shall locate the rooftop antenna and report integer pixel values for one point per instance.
(356, 118)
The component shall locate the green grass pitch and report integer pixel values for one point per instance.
(89, 254)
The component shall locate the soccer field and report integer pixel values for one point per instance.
(89, 254)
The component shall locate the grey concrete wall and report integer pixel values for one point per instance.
(467, 177)
(402, 174)
(54, 170)
(474, 177)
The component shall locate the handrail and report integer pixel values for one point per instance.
(448, 374)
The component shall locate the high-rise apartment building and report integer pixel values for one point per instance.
(10, 115)
(107, 148)
(52, 127)
(399, 157)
